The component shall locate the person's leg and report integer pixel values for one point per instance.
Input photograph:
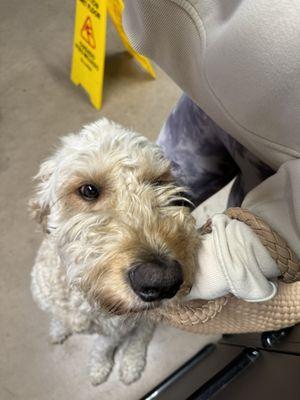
(206, 158)
(200, 160)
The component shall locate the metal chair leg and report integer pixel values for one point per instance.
(157, 391)
(226, 375)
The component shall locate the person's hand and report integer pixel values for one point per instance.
(232, 259)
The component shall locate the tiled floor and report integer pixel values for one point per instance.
(38, 105)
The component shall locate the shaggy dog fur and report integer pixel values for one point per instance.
(95, 235)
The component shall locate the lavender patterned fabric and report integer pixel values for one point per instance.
(205, 158)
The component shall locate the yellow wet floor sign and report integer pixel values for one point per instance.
(90, 42)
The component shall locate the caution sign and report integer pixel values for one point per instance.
(87, 33)
(90, 42)
(89, 47)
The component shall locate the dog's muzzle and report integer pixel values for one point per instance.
(156, 280)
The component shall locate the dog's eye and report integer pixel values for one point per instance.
(158, 183)
(89, 192)
(183, 202)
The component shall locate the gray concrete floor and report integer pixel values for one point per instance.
(39, 104)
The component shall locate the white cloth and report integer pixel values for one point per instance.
(232, 260)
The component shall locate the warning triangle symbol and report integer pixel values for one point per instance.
(87, 33)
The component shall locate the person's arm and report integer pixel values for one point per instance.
(237, 59)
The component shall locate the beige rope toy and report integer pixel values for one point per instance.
(231, 315)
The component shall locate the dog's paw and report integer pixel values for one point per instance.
(131, 369)
(58, 332)
(59, 339)
(99, 373)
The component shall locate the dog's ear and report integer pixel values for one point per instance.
(39, 204)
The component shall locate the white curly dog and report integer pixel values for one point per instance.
(119, 240)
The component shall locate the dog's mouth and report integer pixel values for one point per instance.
(137, 305)
(140, 309)
(123, 309)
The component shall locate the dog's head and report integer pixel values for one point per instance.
(121, 224)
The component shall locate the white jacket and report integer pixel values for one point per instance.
(239, 60)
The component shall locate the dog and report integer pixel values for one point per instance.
(119, 240)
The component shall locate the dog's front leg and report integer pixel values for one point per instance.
(102, 358)
(133, 359)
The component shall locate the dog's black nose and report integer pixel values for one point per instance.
(156, 280)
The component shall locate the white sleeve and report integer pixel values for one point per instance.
(277, 201)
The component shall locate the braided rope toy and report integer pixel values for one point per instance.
(231, 315)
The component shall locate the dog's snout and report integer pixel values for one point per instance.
(156, 280)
